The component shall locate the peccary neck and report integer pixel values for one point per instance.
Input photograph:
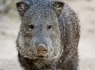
(28, 64)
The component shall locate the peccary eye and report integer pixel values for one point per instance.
(49, 26)
(31, 26)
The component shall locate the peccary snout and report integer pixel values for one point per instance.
(41, 50)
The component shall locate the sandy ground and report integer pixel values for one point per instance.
(10, 27)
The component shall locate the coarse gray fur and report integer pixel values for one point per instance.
(61, 40)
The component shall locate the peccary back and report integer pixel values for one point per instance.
(49, 35)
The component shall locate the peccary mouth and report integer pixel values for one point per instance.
(41, 57)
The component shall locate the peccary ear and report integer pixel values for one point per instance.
(22, 7)
(58, 7)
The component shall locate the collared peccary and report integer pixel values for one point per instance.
(49, 35)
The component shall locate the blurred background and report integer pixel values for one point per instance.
(10, 24)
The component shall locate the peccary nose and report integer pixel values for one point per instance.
(42, 50)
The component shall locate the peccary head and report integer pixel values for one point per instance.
(39, 35)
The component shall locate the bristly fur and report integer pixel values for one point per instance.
(62, 40)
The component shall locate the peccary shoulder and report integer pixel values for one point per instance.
(49, 35)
